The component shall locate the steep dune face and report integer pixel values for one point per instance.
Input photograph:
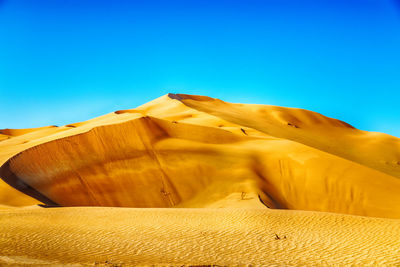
(194, 151)
(119, 165)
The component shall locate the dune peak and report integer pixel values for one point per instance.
(190, 97)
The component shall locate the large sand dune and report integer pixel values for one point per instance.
(241, 163)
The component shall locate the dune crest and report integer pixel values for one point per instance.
(17, 132)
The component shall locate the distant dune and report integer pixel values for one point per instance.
(184, 151)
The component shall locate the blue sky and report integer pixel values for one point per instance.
(68, 61)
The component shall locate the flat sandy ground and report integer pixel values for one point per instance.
(34, 236)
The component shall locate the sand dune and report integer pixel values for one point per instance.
(249, 167)
(190, 151)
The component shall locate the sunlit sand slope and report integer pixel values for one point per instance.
(375, 150)
(194, 151)
(173, 237)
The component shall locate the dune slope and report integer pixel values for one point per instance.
(375, 150)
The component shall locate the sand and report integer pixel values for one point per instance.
(234, 237)
(200, 181)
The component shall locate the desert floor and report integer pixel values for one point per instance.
(90, 236)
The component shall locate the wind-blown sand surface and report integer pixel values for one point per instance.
(196, 236)
(202, 181)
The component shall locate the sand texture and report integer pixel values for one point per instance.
(243, 184)
(129, 236)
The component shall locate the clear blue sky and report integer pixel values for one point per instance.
(66, 61)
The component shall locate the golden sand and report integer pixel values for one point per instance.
(232, 237)
(268, 181)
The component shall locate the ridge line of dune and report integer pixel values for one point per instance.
(100, 126)
(11, 179)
